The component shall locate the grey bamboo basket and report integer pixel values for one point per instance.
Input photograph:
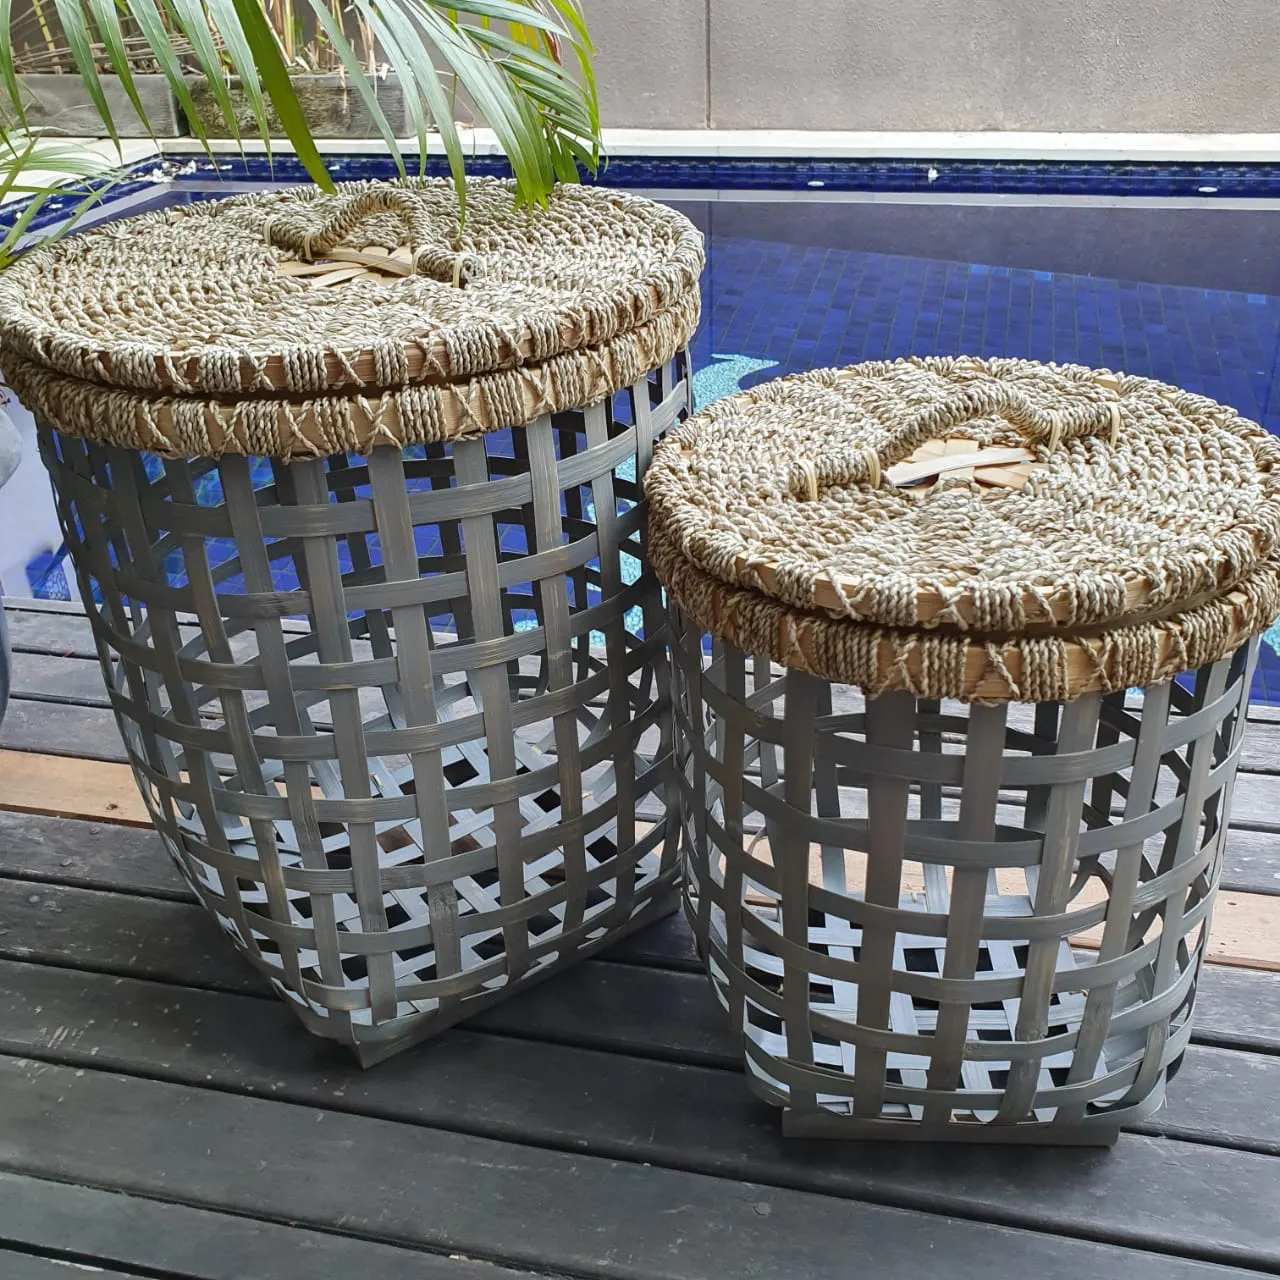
(935, 907)
(359, 527)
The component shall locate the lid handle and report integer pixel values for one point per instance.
(981, 400)
(429, 256)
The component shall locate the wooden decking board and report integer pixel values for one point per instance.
(678, 1116)
(42, 857)
(594, 1217)
(602, 1005)
(33, 630)
(89, 855)
(164, 1238)
(1251, 860)
(59, 708)
(22, 1266)
(59, 679)
(1222, 1095)
(174, 942)
(58, 729)
(65, 787)
(1238, 1009)
(1251, 863)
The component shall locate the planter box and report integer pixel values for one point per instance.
(333, 108)
(61, 105)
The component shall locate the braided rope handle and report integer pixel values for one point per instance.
(859, 466)
(429, 256)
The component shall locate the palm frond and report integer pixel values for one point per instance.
(524, 64)
(39, 167)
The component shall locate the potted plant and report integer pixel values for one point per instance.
(55, 98)
(331, 104)
(523, 67)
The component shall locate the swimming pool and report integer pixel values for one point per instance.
(1185, 289)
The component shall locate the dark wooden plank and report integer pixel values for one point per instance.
(74, 680)
(1226, 1096)
(668, 944)
(58, 728)
(198, 1244)
(73, 728)
(60, 665)
(1219, 1097)
(87, 854)
(1230, 1094)
(565, 1212)
(21, 1266)
(1251, 860)
(40, 630)
(120, 933)
(1261, 750)
(1254, 802)
(1261, 713)
(623, 1008)
(177, 942)
(62, 630)
(1238, 1008)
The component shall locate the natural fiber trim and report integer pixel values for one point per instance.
(990, 669)
(262, 426)
(169, 324)
(1142, 498)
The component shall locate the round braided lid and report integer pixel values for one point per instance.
(999, 497)
(295, 293)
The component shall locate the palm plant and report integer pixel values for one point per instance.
(33, 170)
(526, 65)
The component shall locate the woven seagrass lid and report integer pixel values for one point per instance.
(298, 322)
(971, 528)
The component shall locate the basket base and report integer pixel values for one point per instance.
(404, 1033)
(826, 1124)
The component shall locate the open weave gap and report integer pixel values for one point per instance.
(1143, 498)
(191, 302)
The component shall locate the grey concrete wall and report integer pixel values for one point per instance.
(1060, 65)
(651, 62)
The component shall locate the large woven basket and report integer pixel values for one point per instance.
(352, 492)
(931, 912)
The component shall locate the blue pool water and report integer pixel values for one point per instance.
(1187, 292)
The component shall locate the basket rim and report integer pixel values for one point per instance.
(632, 272)
(1054, 667)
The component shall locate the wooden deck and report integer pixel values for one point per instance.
(162, 1115)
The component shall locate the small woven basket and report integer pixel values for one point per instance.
(391, 674)
(958, 772)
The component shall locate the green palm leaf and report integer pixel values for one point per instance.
(525, 64)
(39, 167)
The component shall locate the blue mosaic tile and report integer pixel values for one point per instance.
(47, 575)
(703, 173)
